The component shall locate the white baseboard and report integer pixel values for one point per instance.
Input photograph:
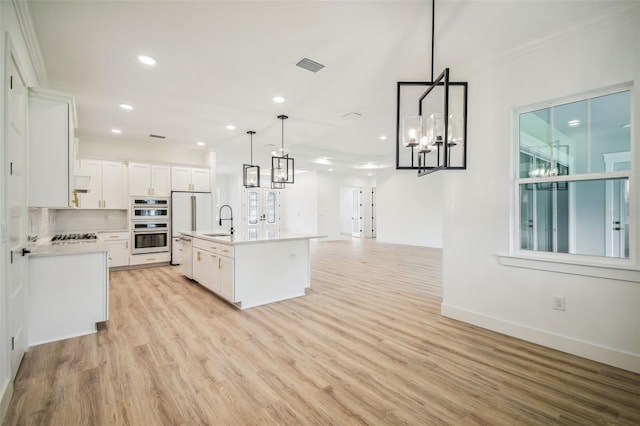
(7, 393)
(603, 354)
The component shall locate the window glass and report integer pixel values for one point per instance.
(252, 207)
(610, 129)
(587, 217)
(576, 137)
(571, 137)
(563, 208)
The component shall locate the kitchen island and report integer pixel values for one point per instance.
(250, 271)
(69, 291)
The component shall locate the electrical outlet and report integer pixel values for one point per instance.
(559, 303)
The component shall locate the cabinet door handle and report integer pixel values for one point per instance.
(104, 204)
(127, 244)
(198, 257)
(114, 236)
(219, 263)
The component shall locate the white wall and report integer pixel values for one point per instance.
(299, 203)
(602, 318)
(141, 151)
(410, 208)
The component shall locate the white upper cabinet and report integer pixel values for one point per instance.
(51, 148)
(190, 179)
(148, 179)
(107, 188)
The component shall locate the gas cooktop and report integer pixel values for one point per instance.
(71, 238)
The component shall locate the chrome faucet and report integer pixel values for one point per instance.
(228, 218)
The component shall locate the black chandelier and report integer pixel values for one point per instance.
(282, 167)
(434, 129)
(251, 172)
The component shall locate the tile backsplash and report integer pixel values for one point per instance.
(75, 220)
(44, 221)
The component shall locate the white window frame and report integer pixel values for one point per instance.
(626, 269)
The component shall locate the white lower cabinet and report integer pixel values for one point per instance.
(226, 278)
(118, 244)
(213, 267)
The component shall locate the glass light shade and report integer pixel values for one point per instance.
(434, 129)
(424, 147)
(411, 131)
(455, 135)
(251, 176)
(282, 170)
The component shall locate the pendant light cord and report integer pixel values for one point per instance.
(251, 134)
(433, 31)
(282, 142)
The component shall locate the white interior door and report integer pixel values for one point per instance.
(356, 215)
(261, 212)
(373, 212)
(16, 190)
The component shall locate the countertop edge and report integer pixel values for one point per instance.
(228, 241)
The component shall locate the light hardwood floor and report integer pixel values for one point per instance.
(367, 345)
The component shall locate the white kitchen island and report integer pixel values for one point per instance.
(69, 291)
(249, 272)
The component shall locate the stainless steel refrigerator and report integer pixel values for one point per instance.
(190, 211)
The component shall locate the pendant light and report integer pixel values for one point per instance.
(251, 172)
(431, 136)
(282, 167)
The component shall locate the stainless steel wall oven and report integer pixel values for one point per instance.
(150, 231)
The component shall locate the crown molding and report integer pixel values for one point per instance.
(23, 12)
(617, 13)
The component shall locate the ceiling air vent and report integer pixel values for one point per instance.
(157, 136)
(309, 65)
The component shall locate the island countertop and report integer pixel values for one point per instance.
(47, 248)
(235, 239)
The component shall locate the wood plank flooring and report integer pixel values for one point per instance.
(367, 345)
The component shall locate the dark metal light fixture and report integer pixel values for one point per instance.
(251, 172)
(282, 168)
(437, 139)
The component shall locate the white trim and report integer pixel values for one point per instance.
(599, 353)
(23, 12)
(622, 270)
(621, 12)
(576, 178)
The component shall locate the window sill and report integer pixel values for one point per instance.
(621, 270)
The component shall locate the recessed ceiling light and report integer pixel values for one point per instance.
(200, 143)
(230, 127)
(278, 99)
(383, 137)
(127, 107)
(146, 59)
(116, 131)
(330, 170)
(573, 123)
(369, 174)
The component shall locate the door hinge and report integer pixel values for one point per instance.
(11, 82)
(11, 168)
(11, 256)
(13, 343)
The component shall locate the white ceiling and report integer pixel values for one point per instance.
(222, 63)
